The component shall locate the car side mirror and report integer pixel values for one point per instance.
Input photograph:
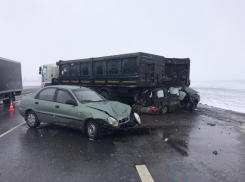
(71, 102)
(40, 70)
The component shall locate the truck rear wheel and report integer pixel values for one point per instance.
(6, 101)
(11, 97)
(105, 95)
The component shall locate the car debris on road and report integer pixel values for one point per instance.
(211, 124)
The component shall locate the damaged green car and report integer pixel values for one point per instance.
(76, 107)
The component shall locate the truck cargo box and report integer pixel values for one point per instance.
(10, 79)
(125, 70)
(179, 69)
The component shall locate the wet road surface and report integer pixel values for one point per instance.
(178, 146)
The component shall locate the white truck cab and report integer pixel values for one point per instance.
(48, 72)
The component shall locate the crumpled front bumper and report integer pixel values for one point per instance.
(130, 121)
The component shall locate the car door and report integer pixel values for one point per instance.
(66, 114)
(173, 101)
(162, 98)
(43, 104)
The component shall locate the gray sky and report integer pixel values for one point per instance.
(210, 33)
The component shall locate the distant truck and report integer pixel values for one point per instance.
(10, 80)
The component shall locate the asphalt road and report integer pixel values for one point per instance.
(178, 146)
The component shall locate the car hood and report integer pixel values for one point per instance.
(190, 90)
(113, 108)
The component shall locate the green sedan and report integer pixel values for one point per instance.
(76, 107)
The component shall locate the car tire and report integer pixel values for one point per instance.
(194, 105)
(32, 119)
(189, 106)
(105, 95)
(164, 110)
(93, 130)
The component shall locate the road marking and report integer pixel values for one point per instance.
(11, 129)
(144, 173)
(233, 124)
(242, 127)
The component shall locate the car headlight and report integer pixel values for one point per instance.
(137, 117)
(112, 121)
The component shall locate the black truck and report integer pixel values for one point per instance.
(10, 80)
(121, 77)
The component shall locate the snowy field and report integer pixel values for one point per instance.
(223, 94)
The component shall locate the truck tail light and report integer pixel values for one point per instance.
(154, 109)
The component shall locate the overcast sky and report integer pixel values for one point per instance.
(210, 33)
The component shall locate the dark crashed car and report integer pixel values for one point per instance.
(76, 107)
(165, 99)
(155, 101)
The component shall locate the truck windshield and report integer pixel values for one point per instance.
(44, 70)
(87, 95)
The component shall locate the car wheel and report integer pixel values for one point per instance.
(105, 95)
(32, 120)
(93, 130)
(189, 106)
(194, 105)
(164, 110)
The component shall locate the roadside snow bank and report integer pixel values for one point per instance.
(223, 94)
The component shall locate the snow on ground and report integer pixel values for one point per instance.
(223, 94)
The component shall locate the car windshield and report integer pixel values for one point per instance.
(87, 95)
